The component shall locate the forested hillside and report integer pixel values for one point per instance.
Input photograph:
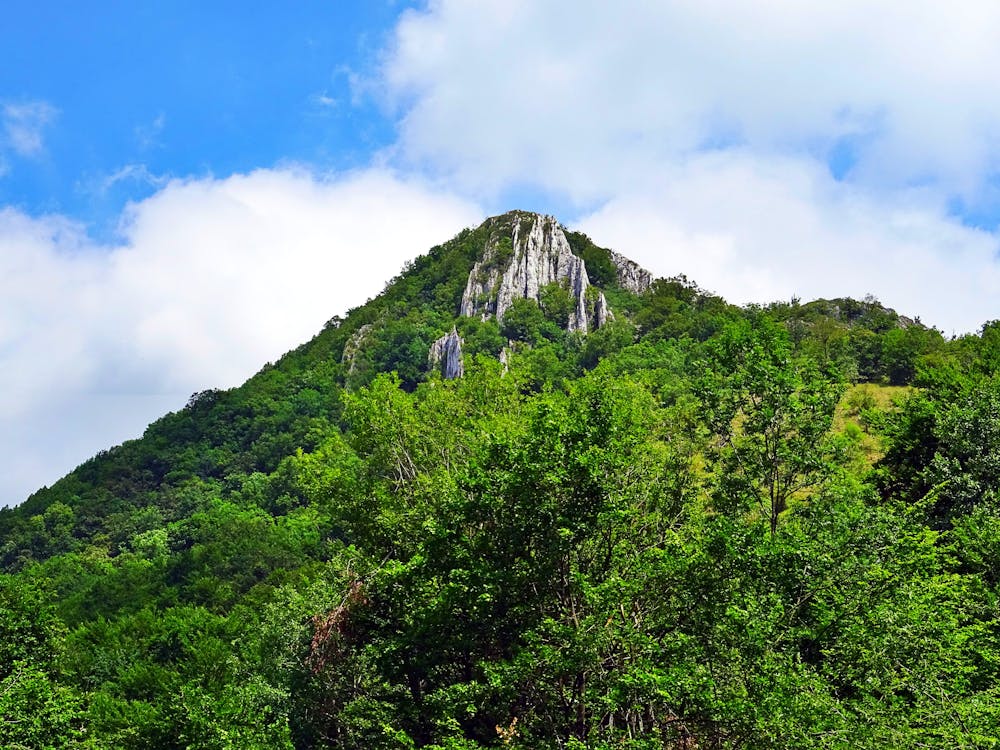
(641, 517)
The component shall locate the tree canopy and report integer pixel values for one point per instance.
(700, 526)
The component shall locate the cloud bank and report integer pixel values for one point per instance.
(581, 95)
(213, 279)
(761, 231)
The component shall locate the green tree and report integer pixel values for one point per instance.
(525, 321)
(36, 711)
(612, 337)
(944, 451)
(771, 415)
(902, 349)
(557, 303)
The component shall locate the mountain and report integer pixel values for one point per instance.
(531, 496)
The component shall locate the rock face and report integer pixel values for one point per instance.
(602, 313)
(446, 353)
(353, 347)
(525, 253)
(631, 276)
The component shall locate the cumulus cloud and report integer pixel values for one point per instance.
(758, 230)
(24, 126)
(213, 279)
(580, 95)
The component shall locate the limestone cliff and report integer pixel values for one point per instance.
(523, 254)
(631, 276)
(446, 354)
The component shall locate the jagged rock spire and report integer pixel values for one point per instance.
(522, 254)
(446, 353)
(525, 252)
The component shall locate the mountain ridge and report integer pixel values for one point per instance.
(446, 291)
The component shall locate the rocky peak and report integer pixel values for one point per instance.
(524, 253)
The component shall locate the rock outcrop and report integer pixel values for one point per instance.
(602, 313)
(525, 253)
(446, 354)
(352, 349)
(631, 276)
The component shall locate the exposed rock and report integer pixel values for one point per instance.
(525, 253)
(631, 276)
(446, 353)
(602, 313)
(353, 347)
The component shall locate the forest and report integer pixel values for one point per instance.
(697, 526)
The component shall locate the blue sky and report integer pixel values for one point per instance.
(141, 92)
(188, 190)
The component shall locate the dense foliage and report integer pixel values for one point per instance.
(698, 527)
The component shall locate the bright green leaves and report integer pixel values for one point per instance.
(36, 711)
(944, 451)
(771, 415)
(557, 303)
(28, 627)
(663, 551)
(525, 321)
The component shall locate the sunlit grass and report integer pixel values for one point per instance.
(852, 415)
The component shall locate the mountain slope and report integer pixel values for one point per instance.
(531, 497)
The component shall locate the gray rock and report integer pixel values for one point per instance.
(631, 276)
(602, 313)
(446, 354)
(519, 264)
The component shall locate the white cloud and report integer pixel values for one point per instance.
(214, 278)
(24, 126)
(580, 95)
(707, 126)
(322, 100)
(758, 230)
(138, 173)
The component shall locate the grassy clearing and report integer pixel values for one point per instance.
(851, 415)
